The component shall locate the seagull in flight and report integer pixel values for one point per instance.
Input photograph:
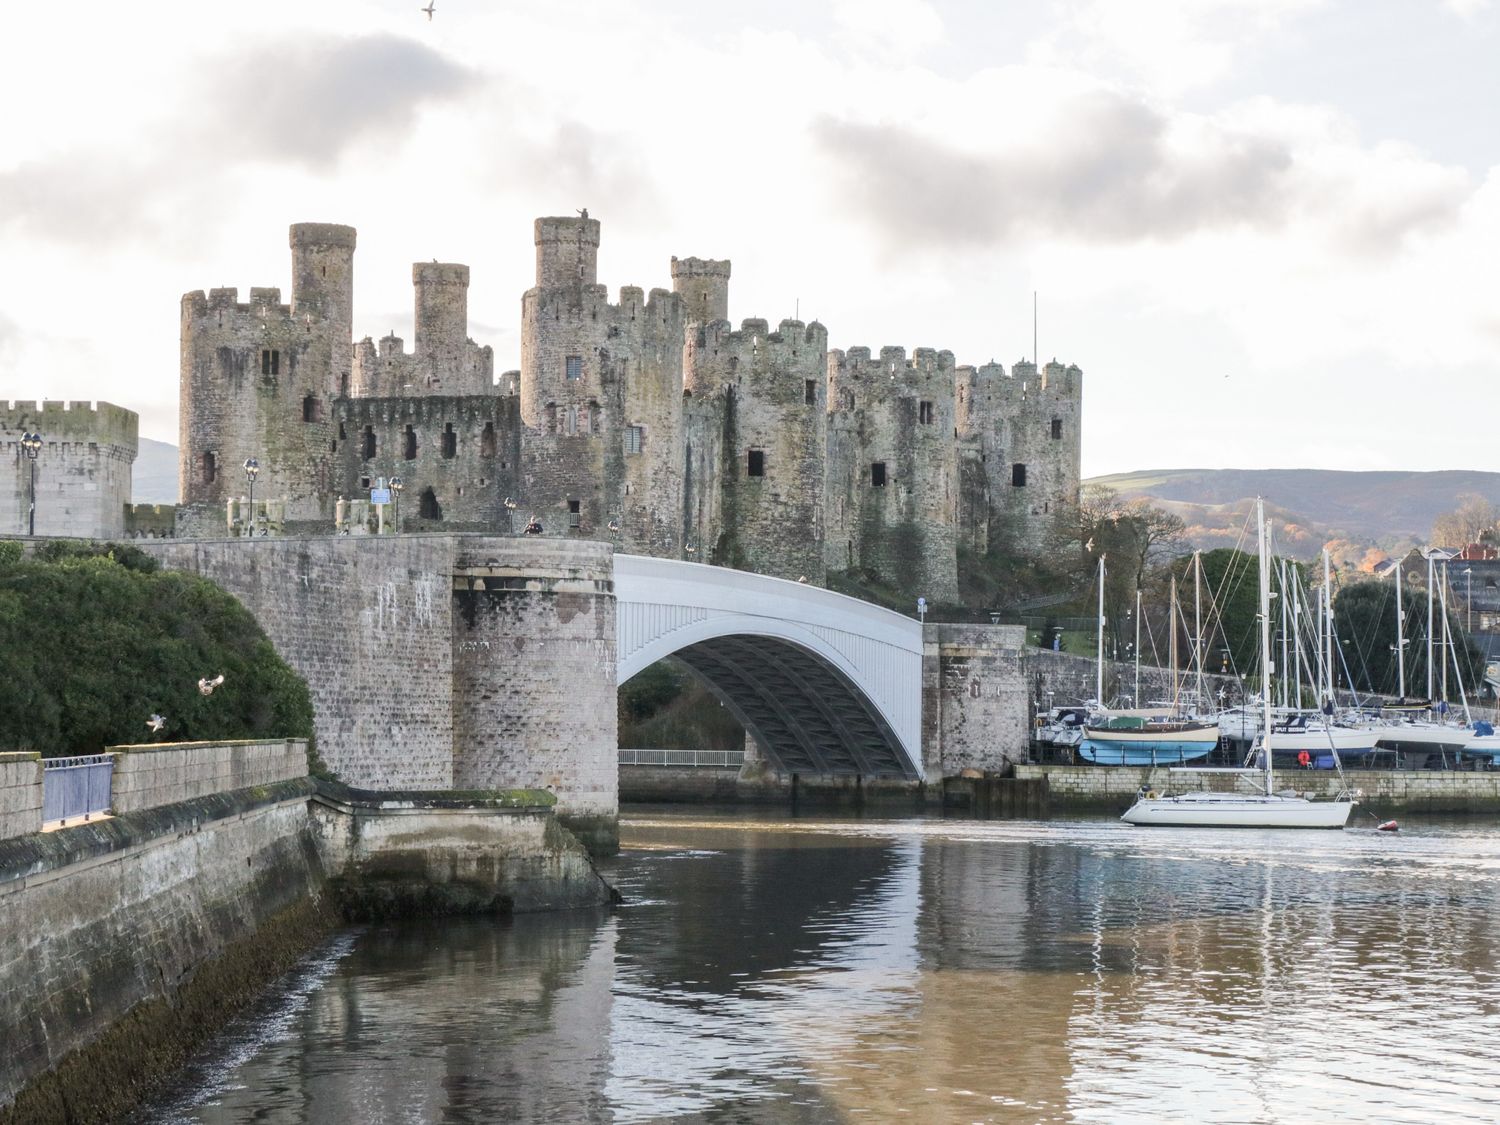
(155, 723)
(431, 7)
(206, 686)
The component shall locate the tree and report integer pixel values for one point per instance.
(1473, 519)
(95, 642)
(1364, 615)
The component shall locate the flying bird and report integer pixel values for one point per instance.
(206, 686)
(155, 723)
(431, 7)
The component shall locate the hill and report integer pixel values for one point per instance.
(1363, 513)
(154, 475)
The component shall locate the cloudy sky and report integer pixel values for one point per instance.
(1265, 229)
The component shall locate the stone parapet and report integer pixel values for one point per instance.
(149, 776)
(20, 794)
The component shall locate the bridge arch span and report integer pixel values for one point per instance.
(826, 683)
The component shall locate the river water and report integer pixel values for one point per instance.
(775, 969)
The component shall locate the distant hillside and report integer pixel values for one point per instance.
(154, 477)
(1362, 513)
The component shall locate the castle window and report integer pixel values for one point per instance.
(635, 437)
(810, 392)
(570, 426)
(312, 409)
(270, 361)
(596, 418)
(583, 420)
(364, 482)
(924, 413)
(210, 468)
(1057, 429)
(973, 689)
(368, 452)
(575, 517)
(1018, 475)
(428, 507)
(409, 444)
(755, 464)
(573, 367)
(487, 440)
(450, 441)
(848, 397)
(877, 474)
(342, 435)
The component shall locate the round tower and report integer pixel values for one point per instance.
(323, 291)
(703, 284)
(442, 306)
(567, 251)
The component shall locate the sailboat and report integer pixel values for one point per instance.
(1421, 727)
(1264, 809)
(1142, 738)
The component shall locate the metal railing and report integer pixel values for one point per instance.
(76, 788)
(720, 759)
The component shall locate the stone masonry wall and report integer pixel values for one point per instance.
(20, 793)
(83, 471)
(1430, 791)
(367, 621)
(92, 936)
(151, 775)
(1058, 679)
(974, 705)
(534, 664)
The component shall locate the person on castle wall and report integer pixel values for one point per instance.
(533, 527)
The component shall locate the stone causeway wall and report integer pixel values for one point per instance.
(151, 775)
(20, 793)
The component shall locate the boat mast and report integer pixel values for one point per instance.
(1463, 694)
(1285, 630)
(1328, 622)
(1400, 639)
(1137, 646)
(1172, 643)
(1265, 640)
(1099, 661)
(1429, 625)
(1443, 594)
(1198, 620)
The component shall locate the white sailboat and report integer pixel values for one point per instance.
(1264, 809)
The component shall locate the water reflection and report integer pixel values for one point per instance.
(791, 971)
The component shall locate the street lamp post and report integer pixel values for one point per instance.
(252, 470)
(397, 484)
(31, 445)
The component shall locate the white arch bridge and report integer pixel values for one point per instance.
(827, 684)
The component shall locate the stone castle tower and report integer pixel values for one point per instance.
(82, 469)
(651, 419)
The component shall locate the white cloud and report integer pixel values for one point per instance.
(1468, 9)
(889, 28)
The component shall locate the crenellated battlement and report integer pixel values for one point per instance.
(928, 371)
(265, 305)
(102, 423)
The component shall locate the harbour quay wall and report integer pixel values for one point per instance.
(20, 793)
(126, 940)
(1113, 788)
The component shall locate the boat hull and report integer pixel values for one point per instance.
(1148, 747)
(1143, 753)
(1224, 810)
(1317, 740)
(1418, 737)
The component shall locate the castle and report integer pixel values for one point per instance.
(650, 418)
(81, 469)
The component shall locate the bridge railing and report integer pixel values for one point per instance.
(715, 759)
(76, 787)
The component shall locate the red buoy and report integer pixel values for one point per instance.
(1388, 826)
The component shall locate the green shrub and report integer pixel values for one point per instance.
(93, 641)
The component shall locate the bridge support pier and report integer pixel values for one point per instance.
(974, 700)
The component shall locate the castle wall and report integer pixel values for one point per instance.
(82, 471)
(1038, 418)
(897, 502)
(590, 371)
(774, 442)
(444, 361)
(464, 449)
